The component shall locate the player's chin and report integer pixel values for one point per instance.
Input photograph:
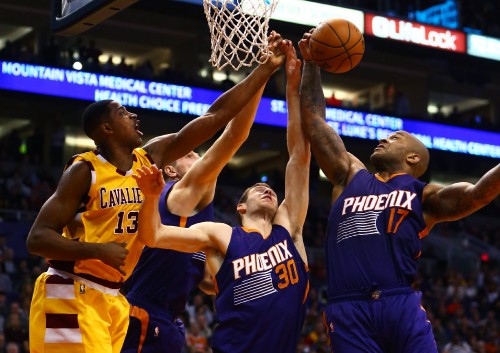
(376, 156)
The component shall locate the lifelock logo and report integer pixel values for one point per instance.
(405, 31)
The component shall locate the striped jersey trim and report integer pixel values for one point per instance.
(63, 335)
(61, 320)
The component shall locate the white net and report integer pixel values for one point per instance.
(238, 30)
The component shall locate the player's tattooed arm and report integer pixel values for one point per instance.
(455, 201)
(327, 146)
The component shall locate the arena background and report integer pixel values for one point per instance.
(404, 78)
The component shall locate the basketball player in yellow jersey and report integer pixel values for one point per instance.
(76, 305)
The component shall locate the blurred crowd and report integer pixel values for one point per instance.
(463, 306)
(17, 276)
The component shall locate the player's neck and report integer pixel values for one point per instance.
(386, 175)
(262, 224)
(120, 157)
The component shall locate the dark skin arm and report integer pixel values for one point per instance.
(167, 148)
(327, 146)
(44, 238)
(455, 201)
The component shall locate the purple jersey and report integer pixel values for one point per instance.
(374, 234)
(165, 277)
(261, 290)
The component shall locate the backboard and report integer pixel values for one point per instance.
(70, 17)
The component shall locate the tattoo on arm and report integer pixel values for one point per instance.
(327, 146)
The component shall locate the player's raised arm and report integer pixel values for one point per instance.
(293, 210)
(327, 146)
(45, 239)
(197, 187)
(167, 148)
(455, 201)
(199, 237)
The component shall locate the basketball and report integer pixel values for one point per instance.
(337, 45)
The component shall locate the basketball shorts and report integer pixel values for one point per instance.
(78, 317)
(384, 324)
(153, 330)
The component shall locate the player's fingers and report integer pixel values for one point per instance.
(140, 172)
(121, 270)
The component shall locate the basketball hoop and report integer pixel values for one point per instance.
(238, 30)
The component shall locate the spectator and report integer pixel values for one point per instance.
(5, 282)
(14, 331)
(457, 345)
(12, 347)
(9, 264)
(196, 342)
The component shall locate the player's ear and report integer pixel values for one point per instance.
(241, 208)
(413, 158)
(106, 128)
(170, 171)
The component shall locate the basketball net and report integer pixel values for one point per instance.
(238, 30)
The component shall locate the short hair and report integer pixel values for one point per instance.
(244, 198)
(91, 118)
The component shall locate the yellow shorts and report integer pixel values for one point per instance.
(73, 315)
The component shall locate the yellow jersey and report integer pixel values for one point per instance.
(110, 213)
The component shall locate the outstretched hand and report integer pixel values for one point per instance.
(113, 254)
(292, 66)
(277, 45)
(150, 180)
(305, 51)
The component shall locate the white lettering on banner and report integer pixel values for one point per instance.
(384, 121)
(425, 139)
(406, 31)
(485, 47)
(165, 90)
(168, 105)
(122, 84)
(155, 103)
(194, 108)
(82, 78)
(278, 106)
(482, 149)
(32, 71)
(383, 133)
(446, 144)
(347, 116)
(126, 99)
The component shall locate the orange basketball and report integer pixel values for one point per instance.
(337, 45)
